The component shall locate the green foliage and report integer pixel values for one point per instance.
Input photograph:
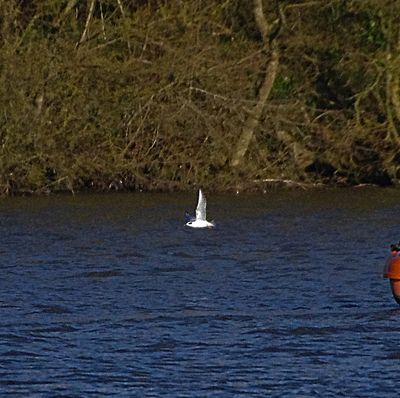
(372, 32)
(283, 87)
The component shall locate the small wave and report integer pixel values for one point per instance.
(56, 329)
(101, 274)
(173, 269)
(11, 337)
(53, 309)
(313, 330)
(16, 353)
(394, 356)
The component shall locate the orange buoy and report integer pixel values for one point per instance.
(392, 271)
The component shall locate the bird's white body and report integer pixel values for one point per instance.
(200, 224)
(200, 220)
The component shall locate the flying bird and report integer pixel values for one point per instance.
(200, 220)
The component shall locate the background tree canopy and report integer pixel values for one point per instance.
(157, 94)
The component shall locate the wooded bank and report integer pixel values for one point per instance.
(157, 94)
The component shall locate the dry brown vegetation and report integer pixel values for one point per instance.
(157, 94)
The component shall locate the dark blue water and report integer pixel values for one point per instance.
(110, 295)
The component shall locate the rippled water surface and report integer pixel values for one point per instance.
(110, 295)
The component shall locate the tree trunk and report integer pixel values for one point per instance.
(270, 74)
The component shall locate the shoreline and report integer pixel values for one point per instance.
(257, 186)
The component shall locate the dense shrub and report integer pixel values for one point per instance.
(154, 94)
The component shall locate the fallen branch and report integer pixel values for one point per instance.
(287, 183)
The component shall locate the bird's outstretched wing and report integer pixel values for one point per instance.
(201, 207)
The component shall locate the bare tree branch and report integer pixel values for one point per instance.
(261, 21)
(71, 4)
(123, 16)
(102, 21)
(89, 17)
